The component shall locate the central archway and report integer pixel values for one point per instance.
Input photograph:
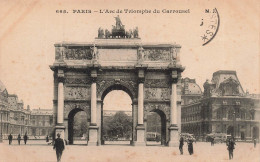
(117, 115)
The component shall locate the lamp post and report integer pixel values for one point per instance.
(234, 124)
(1, 135)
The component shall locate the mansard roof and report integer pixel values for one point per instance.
(2, 87)
(190, 87)
(226, 76)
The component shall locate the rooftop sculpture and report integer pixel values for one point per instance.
(118, 31)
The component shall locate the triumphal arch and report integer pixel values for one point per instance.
(84, 73)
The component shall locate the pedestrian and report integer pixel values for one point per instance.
(231, 147)
(10, 138)
(47, 138)
(25, 138)
(190, 146)
(212, 141)
(59, 146)
(181, 145)
(19, 138)
(254, 142)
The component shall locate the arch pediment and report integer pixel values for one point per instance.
(72, 107)
(162, 107)
(105, 86)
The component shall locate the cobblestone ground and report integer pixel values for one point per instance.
(203, 152)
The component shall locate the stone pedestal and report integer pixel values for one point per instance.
(93, 136)
(174, 136)
(140, 130)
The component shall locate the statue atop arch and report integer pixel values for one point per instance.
(118, 31)
(119, 24)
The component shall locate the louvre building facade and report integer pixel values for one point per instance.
(15, 119)
(223, 107)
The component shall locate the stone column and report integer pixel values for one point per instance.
(60, 115)
(135, 118)
(59, 128)
(174, 135)
(140, 129)
(141, 103)
(93, 103)
(93, 128)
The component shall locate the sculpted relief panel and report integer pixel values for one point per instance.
(156, 54)
(73, 53)
(76, 93)
(78, 53)
(85, 81)
(156, 83)
(157, 93)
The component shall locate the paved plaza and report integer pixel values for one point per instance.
(203, 152)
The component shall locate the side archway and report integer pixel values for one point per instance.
(162, 125)
(70, 127)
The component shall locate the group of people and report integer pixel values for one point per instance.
(230, 145)
(19, 138)
(189, 143)
(59, 145)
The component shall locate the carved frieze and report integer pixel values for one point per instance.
(78, 53)
(157, 54)
(69, 106)
(85, 81)
(157, 93)
(156, 83)
(74, 93)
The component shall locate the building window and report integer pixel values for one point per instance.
(43, 132)
(33, 132)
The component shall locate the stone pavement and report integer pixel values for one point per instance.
(203, 152)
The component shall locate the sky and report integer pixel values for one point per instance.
(29, 30)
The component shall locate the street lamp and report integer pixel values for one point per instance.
(1, 135)
(234, 124)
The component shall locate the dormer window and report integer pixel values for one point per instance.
(229, 87)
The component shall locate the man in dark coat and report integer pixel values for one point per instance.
(59, 146)
(19, 138)
(231, 147)
(190, 146)
(212, 141)
(254, 142)
(10, 138)
(181, 145)
(25, 138)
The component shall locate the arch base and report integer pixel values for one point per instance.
(93, 136)
(174, 136)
